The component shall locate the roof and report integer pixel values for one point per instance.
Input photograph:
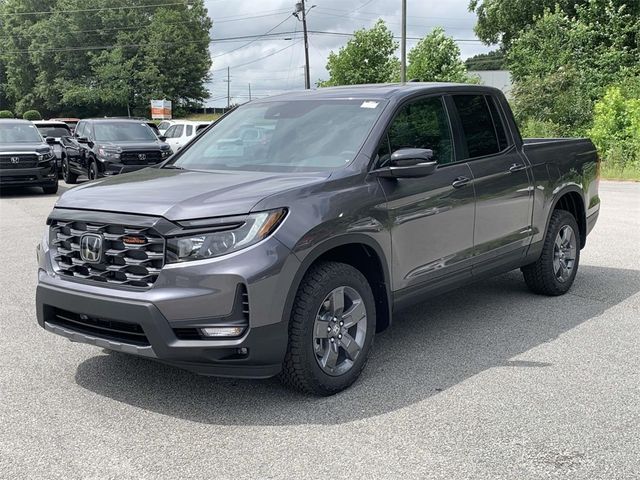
(117, 119)
(13, 120)
(379, 91)
(189, 122)
(49, 123)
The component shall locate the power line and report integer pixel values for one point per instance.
(211, 40)
(259, 58)
(130, 7)
(251, 41)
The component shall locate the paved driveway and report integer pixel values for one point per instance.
(491, 382)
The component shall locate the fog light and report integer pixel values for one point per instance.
(221, 331)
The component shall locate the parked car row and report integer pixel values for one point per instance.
(38, 153)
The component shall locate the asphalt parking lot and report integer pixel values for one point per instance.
(490, 382)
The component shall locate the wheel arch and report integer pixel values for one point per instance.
(571, 199)
(364, 254)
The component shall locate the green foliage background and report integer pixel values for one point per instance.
(55, 61)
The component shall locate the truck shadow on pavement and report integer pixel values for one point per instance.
(430, 348)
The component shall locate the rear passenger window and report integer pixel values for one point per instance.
(482, 136)
(189, 130)
(498, 122)
(420, 124)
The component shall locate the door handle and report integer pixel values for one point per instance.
(460, 182)
(516, 167)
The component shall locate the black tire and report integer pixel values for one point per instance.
(541, 276)
(301, 368)
(68, 176)
(50, 189)
(93, 173)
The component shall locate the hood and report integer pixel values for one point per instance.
(183, 194)
(23, 147)
(138, 145)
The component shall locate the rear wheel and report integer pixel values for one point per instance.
(331, 329)
(68, 176)
(554, 272)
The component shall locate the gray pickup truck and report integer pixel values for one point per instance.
(292, 230)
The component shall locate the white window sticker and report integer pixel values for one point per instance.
(369, 104)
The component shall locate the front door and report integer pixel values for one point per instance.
(501, 177)
(430, 218)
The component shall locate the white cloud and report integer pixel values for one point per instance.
(284, 70)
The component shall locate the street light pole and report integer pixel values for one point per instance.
(403, 44)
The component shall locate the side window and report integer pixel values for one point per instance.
(80, 130)
(420, 124)
(178, 131)
(498, 122)
(170, 132)
(189, 130)
(477, 124)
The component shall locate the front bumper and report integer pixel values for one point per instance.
(23, 177)
(192, 295)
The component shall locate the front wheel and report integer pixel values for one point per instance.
(50, 189)
(554, 272)
(331, 329)
(67, 175)
(93, 171)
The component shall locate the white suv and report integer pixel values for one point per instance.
(182, 132)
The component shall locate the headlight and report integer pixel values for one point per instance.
(108, 154)
(46, 157)
(165, 153)
(256, 227)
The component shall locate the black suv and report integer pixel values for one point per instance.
(109, 146)
(25, 158)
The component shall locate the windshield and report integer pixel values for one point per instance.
(292, 136)
(123, 132)
(55, 132)
(19, 133)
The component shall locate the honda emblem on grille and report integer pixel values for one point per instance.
(91, 247)
(15, 159)
(142, 156)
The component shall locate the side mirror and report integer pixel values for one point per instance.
(50, 140)
(83, 140)
(162, 138)
(409, 163)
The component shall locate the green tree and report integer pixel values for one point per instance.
(110, 61)
(494, 60)
(501, 21)
(367, 58)
(563, 64)
(436, 58)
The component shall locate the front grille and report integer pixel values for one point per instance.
(130, 256)
(108, 329)
(24, 161)
(134, 157)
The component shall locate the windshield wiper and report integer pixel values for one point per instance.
(174, 167)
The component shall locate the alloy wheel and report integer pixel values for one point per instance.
(339, 330)
(564, 253)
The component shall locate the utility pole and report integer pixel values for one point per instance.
(403, 44)
(300, 8)
(249, 91)
(228, 80)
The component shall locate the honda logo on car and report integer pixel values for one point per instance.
(142, 156)
(15, 159)
(91, 247)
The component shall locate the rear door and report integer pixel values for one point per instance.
(430, 218)
(501, 178)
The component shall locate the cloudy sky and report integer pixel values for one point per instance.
(275, 64)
